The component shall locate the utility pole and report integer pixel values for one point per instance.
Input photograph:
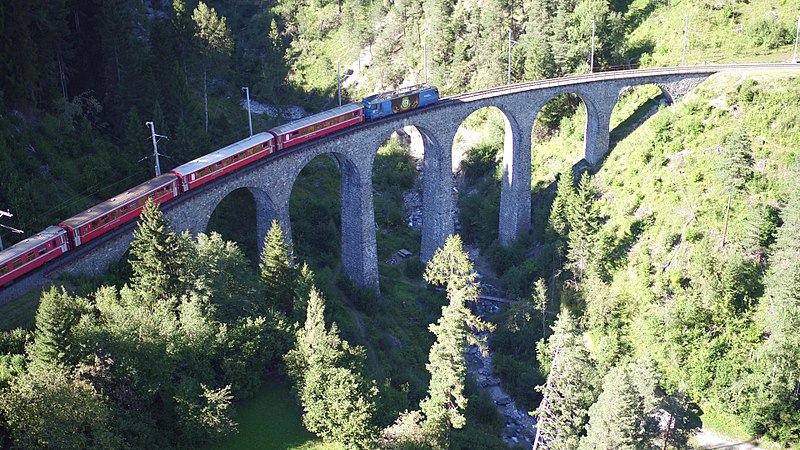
(155, 145)
(796, 38)
(425, 59)
(13, 230)
(510, 46)
(591, 58)
(685, 36)
(249, 115)
(339, 82)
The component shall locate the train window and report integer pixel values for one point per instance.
(42, 250)
(30, 256)
(104, 220)
(124, 209)
(295, 133)
(327, 123)
(311, 129)
(96, 224)
(3, 269)
(16, 263)
(355, 114)
(85, 229)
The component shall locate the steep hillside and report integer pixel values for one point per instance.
(691, 225)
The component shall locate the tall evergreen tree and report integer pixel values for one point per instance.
(276, 269)
(584, 220)
(621, 417)
(54, 341)
(337, 400)
(443, 407)
(735, 165)
(565, 196)
(157, 256)
(215, 40)
(570, 388)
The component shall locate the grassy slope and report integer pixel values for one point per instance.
(648, 183)
(719, 32)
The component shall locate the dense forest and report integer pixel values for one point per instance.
(652, 293)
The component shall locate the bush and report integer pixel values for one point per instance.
(769, 33)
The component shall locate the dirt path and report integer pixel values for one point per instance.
(710, 439)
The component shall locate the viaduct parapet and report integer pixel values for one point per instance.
(354, 150)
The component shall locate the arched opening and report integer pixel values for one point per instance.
(397, 185)
(635, 105)
(315, 210)
(241, 216)
(558, 142)
(479, 149)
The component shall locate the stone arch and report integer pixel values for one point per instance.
(546, 166)
(265, 211)
(357, 223)
(508, 207)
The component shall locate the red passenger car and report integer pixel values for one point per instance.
(225, 160)
(312, 127)
(31, 253)
(104, 217)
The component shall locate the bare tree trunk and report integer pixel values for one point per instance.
(205, 95)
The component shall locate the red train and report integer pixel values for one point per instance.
(49, 244)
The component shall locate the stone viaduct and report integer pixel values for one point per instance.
(354, 150)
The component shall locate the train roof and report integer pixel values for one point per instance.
(31, 243)
(218, 155)
(316, 118)
(112, 204)
(399, 92)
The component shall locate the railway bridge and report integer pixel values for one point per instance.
(354, 149)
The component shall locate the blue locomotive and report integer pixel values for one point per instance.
(401, 100)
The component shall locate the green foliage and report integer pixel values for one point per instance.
(54, 340)
(622, 416)
(584, 221)
(277, 274)
(337, 400)
(157, 256)
(55, 408)
(570, 388)
(443, 407)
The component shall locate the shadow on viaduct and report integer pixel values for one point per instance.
(354, 150)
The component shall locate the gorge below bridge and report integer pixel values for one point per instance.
(354, 149)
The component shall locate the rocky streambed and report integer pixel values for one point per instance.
(519, 428)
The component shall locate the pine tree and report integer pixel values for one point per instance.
(54, 342)
(276, 269)
(569, 390)
(303, 285)
(443, 407)
(565, 196)
(736, 160)
(337, 400)
(621, 417)
(539, 298)
(158, 256)
(584, 220)
(215, 40)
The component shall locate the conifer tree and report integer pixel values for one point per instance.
(621, 418)
(539, 297)
(736, 160)
(157, 256)
(584, 221)
(443, 407)
(303, 285)
(337, 400)
(565, 196)
(569, 390)
(215, 40)
(276, 269)
(54, 342)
